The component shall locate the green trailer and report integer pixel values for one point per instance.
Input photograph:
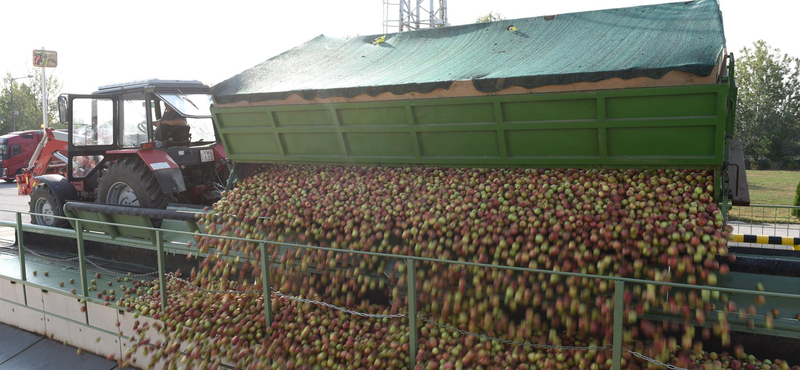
(641, 87)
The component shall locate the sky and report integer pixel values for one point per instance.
(105, 42)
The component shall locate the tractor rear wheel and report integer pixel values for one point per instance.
(130, 182)
(44, 202)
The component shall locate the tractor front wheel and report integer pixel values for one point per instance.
(44, 204)
(130, 182)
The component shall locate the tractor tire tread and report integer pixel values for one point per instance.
(133, 170)
(43, 191)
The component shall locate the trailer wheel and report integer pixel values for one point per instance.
(130, 182)
(44, 202)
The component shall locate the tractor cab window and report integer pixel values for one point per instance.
(16, 150)
(92, 122)
(197, 110)
(133, 120)
(82, 165)
(3, 151)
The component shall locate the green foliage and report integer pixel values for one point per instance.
(491, 17)
(772, 187)
(53, 90)
(796, 212)
(27, 102)
(768, 112)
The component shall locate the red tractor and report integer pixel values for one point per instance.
(114, 155)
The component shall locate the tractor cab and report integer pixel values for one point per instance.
(144, 143)
(124, 115)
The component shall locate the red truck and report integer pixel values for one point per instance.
(16, 149)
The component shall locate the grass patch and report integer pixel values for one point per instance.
(772, 188)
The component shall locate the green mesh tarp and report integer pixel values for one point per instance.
(642, 41)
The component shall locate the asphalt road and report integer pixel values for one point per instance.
(10, 201)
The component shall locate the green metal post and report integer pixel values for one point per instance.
(21, 247)
(267, 285)
(412, 313)
(81, 258)
(267, 290)
(725, 184)
(162, 280)
(231, 178)
(619, 293)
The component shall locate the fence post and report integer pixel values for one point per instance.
(412, 312)
(267, 286)
(81, 257)
(21, 247)
(616, 350)
(162, 281)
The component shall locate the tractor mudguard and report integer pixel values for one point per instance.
(60, 186)
(170, 180)
(167, 172)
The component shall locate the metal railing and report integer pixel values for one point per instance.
(619, 283)
(765, 219)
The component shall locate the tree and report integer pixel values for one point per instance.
(768, 111)
(28, 116)
(491, 17)
(53, 90)
(27, 102)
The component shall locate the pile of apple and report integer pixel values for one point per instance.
(658, 225)
(205, 331)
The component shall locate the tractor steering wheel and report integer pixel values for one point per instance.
(143, 127)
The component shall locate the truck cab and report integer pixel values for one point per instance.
(16, 149)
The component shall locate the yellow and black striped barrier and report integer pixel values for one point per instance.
(767, 239)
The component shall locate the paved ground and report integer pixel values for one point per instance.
(766, 229)
(9, 200)
(792, 230)
(21, 350)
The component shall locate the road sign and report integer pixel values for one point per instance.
(45, 58)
